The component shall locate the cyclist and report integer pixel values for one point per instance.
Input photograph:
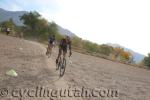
(64, 43)
(51, 44)
(7, 30)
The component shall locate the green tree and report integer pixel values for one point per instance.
(53, 28)
(30, 19)
(105, 49)
(9, 24)
(89, 46)
(77, 42)
(38, 27)
(41, 27)
(58, 37)
(147, 60)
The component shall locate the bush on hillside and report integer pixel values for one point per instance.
(147, 60)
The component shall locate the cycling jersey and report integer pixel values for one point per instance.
(51, 40)
(64, 43)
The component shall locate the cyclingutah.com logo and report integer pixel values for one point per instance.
(71, 92)
(3, 92)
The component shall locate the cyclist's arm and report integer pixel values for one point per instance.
(69, 44)
(70, 48)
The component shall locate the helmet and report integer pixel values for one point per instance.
(67, 37)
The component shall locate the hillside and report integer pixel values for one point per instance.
(64, 31)
(35, 69)
(6, 15)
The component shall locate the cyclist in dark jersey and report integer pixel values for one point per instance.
(51, 43)
(63, 45)
(51, 39)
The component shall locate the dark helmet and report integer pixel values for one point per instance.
(67, 37)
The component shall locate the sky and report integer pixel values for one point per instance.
(124, 22)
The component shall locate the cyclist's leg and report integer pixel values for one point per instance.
(50, 48)
(64, 53)
(47, 50)
(59, 54)
(64, 57)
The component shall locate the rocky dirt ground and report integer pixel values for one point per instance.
(86, 77)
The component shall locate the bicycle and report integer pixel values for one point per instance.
(61, 66)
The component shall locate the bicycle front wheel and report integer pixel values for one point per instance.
(63, 67)
(58, 64)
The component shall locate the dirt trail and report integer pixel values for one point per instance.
(35, 71)
(83, 71)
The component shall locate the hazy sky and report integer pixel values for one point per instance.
(125, 22)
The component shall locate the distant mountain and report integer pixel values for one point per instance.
(64, 31)
(6, 15)
(137, 56)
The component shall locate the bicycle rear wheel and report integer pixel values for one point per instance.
(62, 67)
